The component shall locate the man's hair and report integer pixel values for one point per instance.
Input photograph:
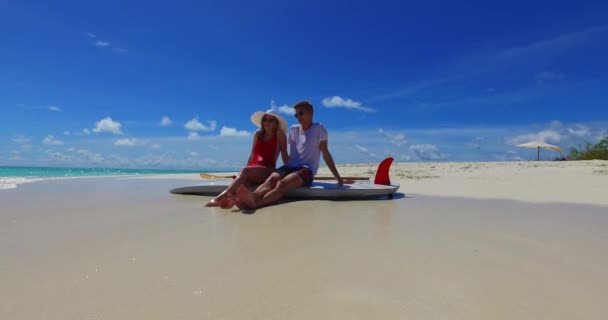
(304, 104)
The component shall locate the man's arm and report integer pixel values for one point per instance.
(329, 161)
(283, 146)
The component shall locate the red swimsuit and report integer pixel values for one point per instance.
(264, 153)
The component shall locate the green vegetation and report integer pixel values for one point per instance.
(591, 152)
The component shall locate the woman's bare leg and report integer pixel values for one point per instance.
(247, 176)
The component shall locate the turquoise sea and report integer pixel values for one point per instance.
(10, 177)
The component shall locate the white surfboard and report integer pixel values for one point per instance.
(318, 190)
(327, 189)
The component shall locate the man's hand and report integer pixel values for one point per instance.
(342, 182)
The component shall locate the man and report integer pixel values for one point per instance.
(307, 142)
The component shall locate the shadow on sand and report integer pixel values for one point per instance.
(394, 196)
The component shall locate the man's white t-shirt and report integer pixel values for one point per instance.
(304, 146)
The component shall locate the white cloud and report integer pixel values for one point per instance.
(579, 130)
(100, 43)
(232, 132)
(397, 139)
(195, 125)
(192, 135)
(360, 148)
(118, 161)
(50, 140)
(86, 131)
(364, 151)
(107, 125)
(164, 160)
(58, 156)
(21, 139)
(23, 143)
(165, 121)
(427, 152)
(72, 133)
(548, 136)
(79, 156)
(155, 146)
(508, 156)
(169, 161)
(54, 108)
(213, 147)
(90, 157)
(405, 157)
(126, 142)
(104, 44)
(284, 109)
(193, 154)
(339, 102)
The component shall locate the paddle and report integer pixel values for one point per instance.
(208, 176)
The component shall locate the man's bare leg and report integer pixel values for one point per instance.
(268, 185)
(252, 197)
(252, 200)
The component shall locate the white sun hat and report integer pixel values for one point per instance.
(257, 117)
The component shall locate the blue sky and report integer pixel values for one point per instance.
(88, 84)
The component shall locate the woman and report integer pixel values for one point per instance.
(268, 142)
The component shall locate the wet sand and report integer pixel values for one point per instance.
(113, 248)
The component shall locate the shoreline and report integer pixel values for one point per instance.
(580, 182)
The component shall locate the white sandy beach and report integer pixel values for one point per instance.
(584, 182)
(518, 240)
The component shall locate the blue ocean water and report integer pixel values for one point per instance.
(10, 177)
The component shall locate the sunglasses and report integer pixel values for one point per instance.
(299, 114)
(269, 119)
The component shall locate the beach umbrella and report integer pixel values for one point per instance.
(537, 145)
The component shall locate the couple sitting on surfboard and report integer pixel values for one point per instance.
(307, 142)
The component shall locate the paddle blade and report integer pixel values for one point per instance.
(382, 172)
(207, 176)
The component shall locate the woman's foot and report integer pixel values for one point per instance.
(217, 201)
(213, 203)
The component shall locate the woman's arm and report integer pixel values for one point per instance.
(255, 139)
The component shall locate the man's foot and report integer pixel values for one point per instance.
(245, 198)
(228, 201)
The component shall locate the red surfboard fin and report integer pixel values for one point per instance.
(382, 172)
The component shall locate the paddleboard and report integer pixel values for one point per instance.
(380, 186)
(318, 190)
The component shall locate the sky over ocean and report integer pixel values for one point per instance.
(172, 85)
